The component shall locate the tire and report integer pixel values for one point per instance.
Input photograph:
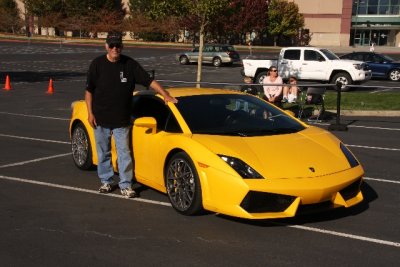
(394, 75)
(183, 60)
(217, 62)
(343, 78)
(260, 77)
(81, 148)
(183, 185)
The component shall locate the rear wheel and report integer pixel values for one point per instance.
(183, 185)
(81, 148)
(394, 75)
(217, 62)
(260, 77)
(344, 79)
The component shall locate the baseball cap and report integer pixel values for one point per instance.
(114, 38)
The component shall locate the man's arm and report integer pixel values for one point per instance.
(89, 100)
(159, 89)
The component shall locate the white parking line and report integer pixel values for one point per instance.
(34, 160)
(33, 116)
(301, 227)
(372, 127)
(345, 235)
(71, 188)
(34, 139)
(361, 126)
(375, 147)
(381, 180)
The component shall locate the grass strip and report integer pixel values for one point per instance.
(364, 101)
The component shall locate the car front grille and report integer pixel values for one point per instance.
(258, 202)
(351, 191)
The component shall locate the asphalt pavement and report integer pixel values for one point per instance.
(52, 215)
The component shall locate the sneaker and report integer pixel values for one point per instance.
(105, 188)
(128, 192)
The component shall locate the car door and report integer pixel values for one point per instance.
(194, 55)
(289, 63)
(313, 66)
(377, 65)
(148, 148)
(208, 53)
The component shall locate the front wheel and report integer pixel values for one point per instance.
(183, 60)
(394, 75)
(81, 148)
(183, 185)
(344, 79)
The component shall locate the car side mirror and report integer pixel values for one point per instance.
(146, 122)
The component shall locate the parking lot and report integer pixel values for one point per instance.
(52, 215)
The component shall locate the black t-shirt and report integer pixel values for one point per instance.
(112, 85)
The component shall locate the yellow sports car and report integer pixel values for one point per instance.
(230, 153)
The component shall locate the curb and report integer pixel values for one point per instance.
(372, 113)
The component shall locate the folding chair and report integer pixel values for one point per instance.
(313, 97)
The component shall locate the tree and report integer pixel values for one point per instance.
(284, 19)
(241, 17)
(10, 17)
(97, 15)
(202, 12)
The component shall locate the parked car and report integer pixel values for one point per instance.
(309, 64)
(382, 66)
(217, 54)
(226, 152)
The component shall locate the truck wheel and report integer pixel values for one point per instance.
(260, 77)
(394, 75)
(344, 79)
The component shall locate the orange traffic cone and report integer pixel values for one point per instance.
(7, 86)
(50, 89)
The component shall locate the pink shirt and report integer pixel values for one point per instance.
(272, 90)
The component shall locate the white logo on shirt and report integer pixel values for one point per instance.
(121, 76)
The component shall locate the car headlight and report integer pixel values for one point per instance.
(349, 156)
(358, 66)
(243, 169)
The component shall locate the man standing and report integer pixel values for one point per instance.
(110, 84)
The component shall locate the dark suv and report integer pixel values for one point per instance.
(217, 54)
(382, 66)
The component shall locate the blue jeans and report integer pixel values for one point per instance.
(124, 160)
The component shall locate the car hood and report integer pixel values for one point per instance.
(310, 153)
(352, 61)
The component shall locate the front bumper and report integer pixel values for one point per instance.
(279, 198)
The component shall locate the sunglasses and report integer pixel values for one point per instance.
(273, 70)
(111, 46)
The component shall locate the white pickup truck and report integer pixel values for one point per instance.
(309, 64)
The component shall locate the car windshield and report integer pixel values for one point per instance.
(329, 54)
(234, 114)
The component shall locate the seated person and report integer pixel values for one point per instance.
(249, 88)
(290, 91)
(273, 86)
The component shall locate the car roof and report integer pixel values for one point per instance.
(190, 91)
